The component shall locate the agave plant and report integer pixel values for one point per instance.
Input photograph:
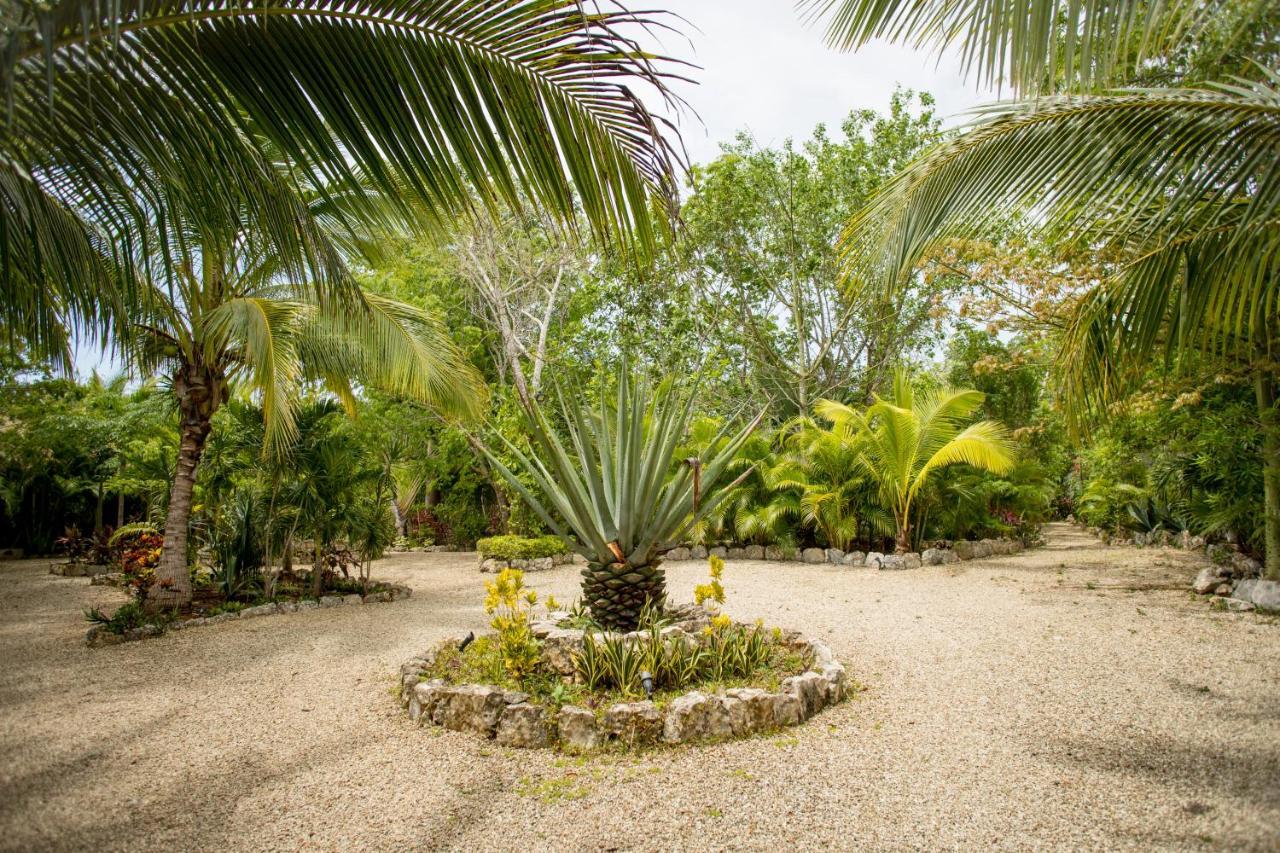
(618, 487)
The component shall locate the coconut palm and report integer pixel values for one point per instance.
(1184, 182)
(620, 489)
(237, 323)
(124, 118)
(908, 438)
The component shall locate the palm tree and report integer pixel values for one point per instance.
(823, 470)
(1184, 182)
(620, 489)
(124, 118)
(239, 325)
(188, 178)
(910, 437)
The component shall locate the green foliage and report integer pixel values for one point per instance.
(726, 654)
(622, 494)
(520, 547)
(127, 616)
(1186, 459)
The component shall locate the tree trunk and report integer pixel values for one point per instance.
(119, 510)
(317, 569)
(200, 390)
(401, 520)
(903, 542)
(1269, 418)
(97, 513)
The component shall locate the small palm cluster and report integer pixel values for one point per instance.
(850, 474)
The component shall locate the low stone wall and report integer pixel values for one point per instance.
(98, 635)
(961, 550)
(493, 565)
(510, 718)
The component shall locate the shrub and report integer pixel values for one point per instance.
(509, 603)
(520, 547)
(129, 615)
(139, 554)
(713, 591)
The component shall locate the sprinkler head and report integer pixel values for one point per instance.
(646, 681)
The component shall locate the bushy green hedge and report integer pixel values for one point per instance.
(520, 547)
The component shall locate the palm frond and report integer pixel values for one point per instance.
(1033, 45)
(123, 119)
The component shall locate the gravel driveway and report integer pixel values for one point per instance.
(1073, 695)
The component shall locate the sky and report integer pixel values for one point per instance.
(765, 71)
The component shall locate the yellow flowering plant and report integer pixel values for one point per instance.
(713, 590)
(509, 603)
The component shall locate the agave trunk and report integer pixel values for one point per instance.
(617, 592)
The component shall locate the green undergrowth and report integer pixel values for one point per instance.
(482, 663)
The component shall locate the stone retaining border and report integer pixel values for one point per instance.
(98, 635)
(493, 565)
(78, 570)
(960, 550)
(511, 719)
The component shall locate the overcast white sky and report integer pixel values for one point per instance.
(765, 71)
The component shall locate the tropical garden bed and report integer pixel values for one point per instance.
(219, 596)
(686, 674)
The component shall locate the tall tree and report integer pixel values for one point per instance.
(762, 228)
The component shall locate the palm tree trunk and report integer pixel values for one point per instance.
(1269, 419)
(200, 391)
(119, 510)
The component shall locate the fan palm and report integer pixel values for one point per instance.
(618, 487)
(1184, 182)
(118, 112)
(750, 511)
(910, 437)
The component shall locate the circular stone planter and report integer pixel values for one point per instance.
(510, 718)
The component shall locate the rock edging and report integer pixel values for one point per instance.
(960, 550)
(98, 635)
(493, 565)
(509, 718)
(1231, 580)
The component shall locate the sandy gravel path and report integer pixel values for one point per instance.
(1026, 701)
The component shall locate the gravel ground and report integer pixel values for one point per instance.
(1068, 696)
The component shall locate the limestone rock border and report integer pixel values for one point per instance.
(98, 635)
(511, 719)
(959, 550)
(493, 565)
